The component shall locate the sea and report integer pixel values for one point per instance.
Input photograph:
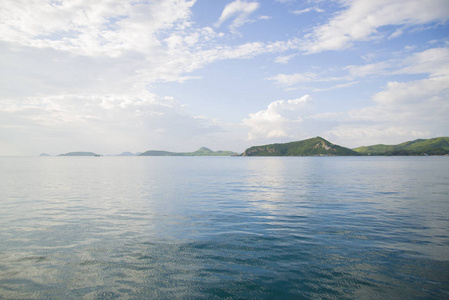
(224, 227)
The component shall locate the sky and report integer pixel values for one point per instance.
(110, 76)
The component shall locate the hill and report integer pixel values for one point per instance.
(156, 153)
(79, 154)
(316, 146)
(203, 151)
(127, 153)
(434, 146)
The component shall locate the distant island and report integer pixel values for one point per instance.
(316, 146)
(128, 154)
(203, 151)
(79, 154)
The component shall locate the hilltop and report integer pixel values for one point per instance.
(79, 154)
(316, 146)
(434, 146)
(203, 151)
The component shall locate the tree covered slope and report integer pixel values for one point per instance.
(435, 146)
(309, 147)
(203, 151)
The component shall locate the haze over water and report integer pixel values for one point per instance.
(216, 227)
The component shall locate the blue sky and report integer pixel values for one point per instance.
(112, 76)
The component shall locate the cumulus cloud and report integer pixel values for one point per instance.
(240, 11)
(282, 118)
(362, 20)
(404, 110)
(107, 122)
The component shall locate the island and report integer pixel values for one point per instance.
(434, 146)
(316, 146)
(203, 151)
(80, 154)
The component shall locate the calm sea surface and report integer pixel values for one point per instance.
(224, 227)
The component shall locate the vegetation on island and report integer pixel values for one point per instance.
(435, 146)
(79, 154)
(316, 146)
(203, 151)
(127, 154)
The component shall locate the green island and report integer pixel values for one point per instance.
(203, 151)
(316, 146)
(435, 146)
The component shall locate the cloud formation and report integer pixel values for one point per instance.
(364, 20)
(282, 118)
(401, 111)
(239, 10)
(306, 10)
(106, 122)
(411, 109)
(99, 28)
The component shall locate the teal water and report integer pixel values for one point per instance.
(224, 227)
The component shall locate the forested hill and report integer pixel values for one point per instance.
(316, 146)
(203, 151)
(434, 146)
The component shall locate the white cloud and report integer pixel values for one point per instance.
(404, 110)
(287, 80)
(370, 69)
(362, 20)
(337, 86)
(282, 118)
(356, 135)
(91, 28)
(265, 18)
(283, 59)
(433, 61)
(91, 65)
(107, 123)
(240, 10)
(309, 9)
(105, 45)
(293, 79)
